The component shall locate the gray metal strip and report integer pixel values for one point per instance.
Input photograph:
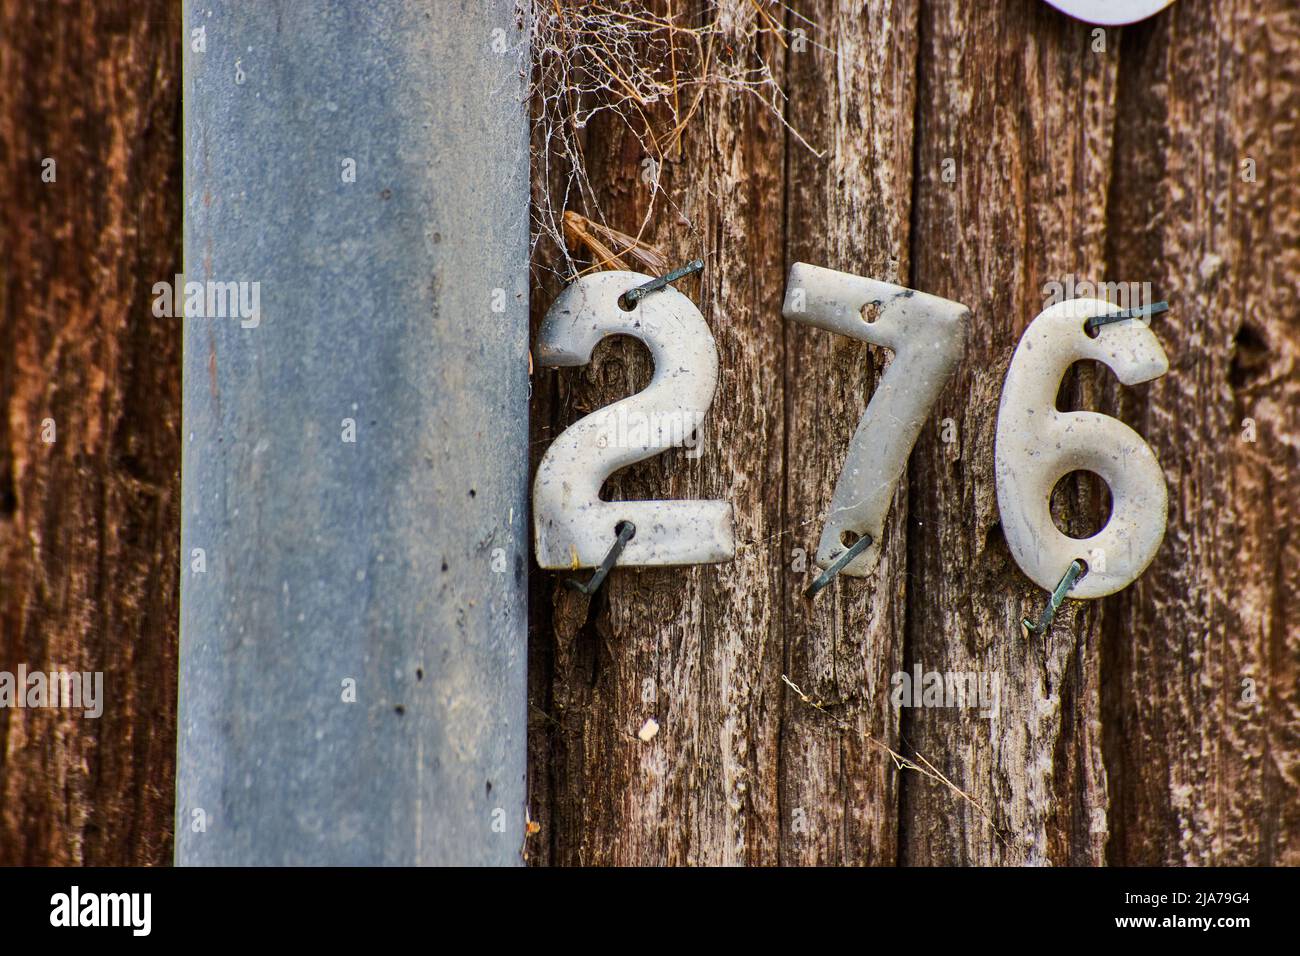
(355, 436)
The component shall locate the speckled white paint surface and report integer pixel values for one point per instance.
(927, 335)
(573, 527)
(1037, 445)
(1110, 12)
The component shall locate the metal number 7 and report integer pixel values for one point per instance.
(927, 335)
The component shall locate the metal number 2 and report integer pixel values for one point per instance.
(573, 527)
(927, 335)
(1037, 445)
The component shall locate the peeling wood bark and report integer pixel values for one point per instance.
(89, 524)
(1121, 737)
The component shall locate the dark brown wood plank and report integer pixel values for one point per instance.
(1122, 736)
(89, 524)
(1202, 655)
(1016, 96)
(852, 92)
(698, 649)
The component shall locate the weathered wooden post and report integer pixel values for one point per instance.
(355, 434)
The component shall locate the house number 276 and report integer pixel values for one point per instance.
(1035, 446)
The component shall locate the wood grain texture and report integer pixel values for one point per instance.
(852, 96)
(1016, 95)
(1161, 725)
(1204, 650)
(698, 649)
(89, 524)
(1122, 736)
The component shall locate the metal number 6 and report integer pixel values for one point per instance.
(1037, 445)
(927, 335)
(573, 527)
